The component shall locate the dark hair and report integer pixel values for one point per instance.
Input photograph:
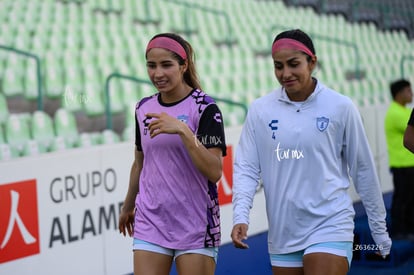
(190, 76)
(297, 35)
(398, 85)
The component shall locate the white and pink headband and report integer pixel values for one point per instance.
(168, 44)
(288, 43)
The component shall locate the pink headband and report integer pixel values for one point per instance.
(288, 43)
(168, 44)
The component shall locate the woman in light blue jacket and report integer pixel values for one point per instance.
(305, 141)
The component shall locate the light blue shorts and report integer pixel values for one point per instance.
(295, 259)
(143, 245)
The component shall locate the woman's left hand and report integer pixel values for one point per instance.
(385, 248)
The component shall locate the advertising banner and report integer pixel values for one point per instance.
(59, 211)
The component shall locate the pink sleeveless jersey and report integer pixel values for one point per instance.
(177, 207)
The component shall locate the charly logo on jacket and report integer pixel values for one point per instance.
(322, 123)
(273, 126)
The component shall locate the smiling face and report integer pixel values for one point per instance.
(293, 70)
(166, 73)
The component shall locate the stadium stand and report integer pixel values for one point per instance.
(18, 136)
(386, 15)
(109, 137)
(2, 136)
(66, 127)
(5, 151)
(80, 43)
(43, 131)
(4, 109)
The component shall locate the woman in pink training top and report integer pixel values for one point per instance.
(171, 207)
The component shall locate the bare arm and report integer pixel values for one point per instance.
(207, 161)
(409, 138)
(126, 217)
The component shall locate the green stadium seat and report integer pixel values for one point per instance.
(72, 100)
(109, 137)
(3, 56)
(93, 104)
(130, 114)
(74, 94)
(12, 83)
(130, 92)
(25, 117)
(4, 109)
(129, 130)
(85, 140)
(17, 134)
(66, 127)
(116, 93)
(31, 148)
(30, 81)
(5, 152)
(54, 80)
(128, 134)
(89, 139)
(96, 138)
(2, 135)
(43, 131)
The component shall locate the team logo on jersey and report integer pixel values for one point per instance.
(217, 117)
(146, 123)
(183, 118)
(322, 123)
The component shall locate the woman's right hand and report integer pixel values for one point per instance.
(126, 222)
